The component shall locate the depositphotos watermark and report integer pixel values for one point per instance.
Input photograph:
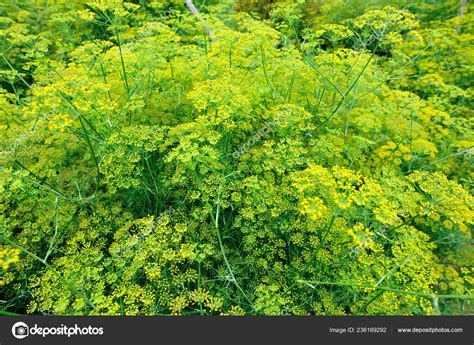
(21, 330)
(262, 133)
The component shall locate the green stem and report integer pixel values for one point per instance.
(122, 61)
(221, 246)
(8, 313)
(265, 72)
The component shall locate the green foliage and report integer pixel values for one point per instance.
(318, 161)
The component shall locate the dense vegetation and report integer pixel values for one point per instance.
(265, 157)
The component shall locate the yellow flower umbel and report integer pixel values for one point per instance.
(314, 208)
(8, 257)
(362, 236)
(386, 214)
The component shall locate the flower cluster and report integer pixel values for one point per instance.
(317, 161)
